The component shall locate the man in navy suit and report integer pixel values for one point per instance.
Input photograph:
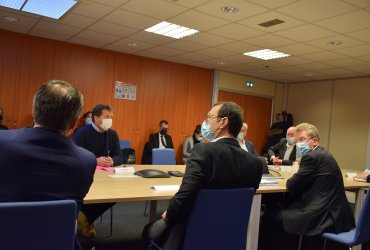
(42, 163)
(219, 164)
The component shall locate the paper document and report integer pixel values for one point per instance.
(265, 182)
(358, 179)
(166, 187)
(124, 170)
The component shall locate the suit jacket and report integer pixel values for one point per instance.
(154, 143)
(154, 140)
(320, 203)
(280, 149)
(38, 165)
(220, 164)
(251, 148)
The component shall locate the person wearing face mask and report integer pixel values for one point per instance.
(100, 139)
(218, 164)
(86, 119)
(244, 144)
(190, 142)
(157, 140)
(284, 152)
(318, 203)
(1, 119)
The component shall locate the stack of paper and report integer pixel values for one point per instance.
(265, 182)
(123, 172)
(166, 187)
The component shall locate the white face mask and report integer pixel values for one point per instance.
(106, 124)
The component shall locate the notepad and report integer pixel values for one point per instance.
(124, 170)
(166, 187)
(265, 182)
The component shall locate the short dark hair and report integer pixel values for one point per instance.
(56, 105)
(198, 129)
(163, 121)
(86, 114)
(98, 109)
(234, 113)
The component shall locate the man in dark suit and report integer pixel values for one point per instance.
(42, 163)
(284, 152)
(157, 140)
(219, 164)
(319, 203)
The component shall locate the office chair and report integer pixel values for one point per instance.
(41, 225)
(124, 144)
(358, 235)
(163, 156)
(219, 220)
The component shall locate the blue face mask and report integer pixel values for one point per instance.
(200, 139)
(302, 148)
(240, 136)
(88, 121)
(206, 132)
(290, 140)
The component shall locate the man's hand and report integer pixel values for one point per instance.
(276, 160)
(164, 215)
(104, 161)
(362, 176)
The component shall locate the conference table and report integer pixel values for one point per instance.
(110, 187)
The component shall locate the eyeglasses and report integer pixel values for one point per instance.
(210, 117)
(302, 139)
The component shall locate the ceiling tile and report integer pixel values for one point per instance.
(113, 29)
(305, 32)
(294, 60)
(207, 39)
(147, 53)
(76, 20)
(166, 51)
(113, 3)
(347, 62)
(123, 49)
(91, 9)
(323, 56)
(348, 22)
(50, 35)
(195, 57)
(290, 69)
(364, 58)
(188, 3)
(340, 72)
(238, 47)
(323, 42)
(272, 4)
(152, 38)
(133, 20)
(61, 28)
(14, 28)
(363, 35)
(197, 20)
(364, 68)
(297, 49)
(96, 36)
(23, 20)
(235, 31)
(269, 41)
(154, 8)
(215, 51)
(86, 42)
(185, 45)
(244, 9)
(240, 58)
(359, 3)
(313, 10)
(362, 50)
(140, 44)
(289, 22)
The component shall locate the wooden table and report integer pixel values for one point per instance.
(107, 189)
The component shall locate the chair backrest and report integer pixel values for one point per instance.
(163, 156)
(41, 225)
(363, 229)
(219, 219)
(124, 144)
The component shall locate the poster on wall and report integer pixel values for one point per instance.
(124, 90)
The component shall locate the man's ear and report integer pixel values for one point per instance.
(224, 122)
(73, 123)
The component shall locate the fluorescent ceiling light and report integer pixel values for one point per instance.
(13, 4)
(266, 54)
(171, 30)
(49, 8)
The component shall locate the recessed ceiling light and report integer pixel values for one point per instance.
(229, 9)
(335, 43)
(308, 74)
(266, 54)
(10, 19)
(221, 63)
(49, 8)
(132, 45)
(171, 30)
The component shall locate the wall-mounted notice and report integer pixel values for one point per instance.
(124, 90)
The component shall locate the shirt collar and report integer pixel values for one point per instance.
(96, 128)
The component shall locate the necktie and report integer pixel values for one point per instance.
(163, 142)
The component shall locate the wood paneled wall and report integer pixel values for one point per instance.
(257, 113)
(178, 93)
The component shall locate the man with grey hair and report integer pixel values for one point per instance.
(319, 203)
(284, 152)
(219, 164)
(42, 163)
